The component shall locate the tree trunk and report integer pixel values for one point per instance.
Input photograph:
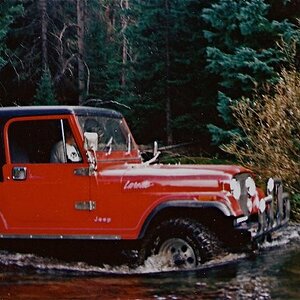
(125, 7)
(169, 131)
(44, 30)
(80, 37)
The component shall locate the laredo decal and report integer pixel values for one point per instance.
(134, 185)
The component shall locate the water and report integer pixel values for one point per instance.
(272, 273)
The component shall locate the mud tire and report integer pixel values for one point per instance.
(185, 244)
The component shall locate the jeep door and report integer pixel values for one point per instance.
(40, 196)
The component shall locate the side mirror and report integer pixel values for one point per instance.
(91, 141)
(19, 173)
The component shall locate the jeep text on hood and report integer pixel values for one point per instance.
(75, 176)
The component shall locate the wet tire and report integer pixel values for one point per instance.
(181, 243)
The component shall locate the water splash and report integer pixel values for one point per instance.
(283, 237)
(153, 264)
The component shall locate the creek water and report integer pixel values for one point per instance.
(273, 272)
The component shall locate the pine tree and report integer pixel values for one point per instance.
(25, 45)
(108, 55)
(96, 52)
(243, 51)
(45, 92)
(81, 8)
(45, 35)
(167, 69)
(8, 12)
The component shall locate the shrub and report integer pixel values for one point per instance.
(270, 143)
(295, 207)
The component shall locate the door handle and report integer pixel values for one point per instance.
(19, 173)
(85, 205)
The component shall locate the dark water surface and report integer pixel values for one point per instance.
(272, 273)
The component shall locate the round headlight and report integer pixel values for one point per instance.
(235, 188)
(250, 185)
(270, 185)
(249, 205)
(262, 205)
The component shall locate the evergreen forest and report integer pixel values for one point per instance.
(174, 68)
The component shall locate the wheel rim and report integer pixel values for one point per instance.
(178, 253)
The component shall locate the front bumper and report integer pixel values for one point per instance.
(273, 213)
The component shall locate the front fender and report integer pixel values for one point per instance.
(180, 204)
(3, 223)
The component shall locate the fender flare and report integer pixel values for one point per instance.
(183, 204)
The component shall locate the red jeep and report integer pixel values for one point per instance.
(73, 180)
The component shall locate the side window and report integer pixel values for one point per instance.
(65, 150)
(35, 141)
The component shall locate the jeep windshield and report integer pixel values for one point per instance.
(113, 133)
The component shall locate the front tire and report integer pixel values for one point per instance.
(181, 243)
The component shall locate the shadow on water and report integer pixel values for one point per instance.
(272, 273)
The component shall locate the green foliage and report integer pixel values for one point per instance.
(198, 56)
(295, 207)
(45, 91)
(224, 104)
(8, 11)
(22, 74)
(221, 136)
(104, 55)
(168, 45)
(244, 69)
(243, 51)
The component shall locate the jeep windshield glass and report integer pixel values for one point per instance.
(113, 134)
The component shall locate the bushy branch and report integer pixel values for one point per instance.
(271, 127)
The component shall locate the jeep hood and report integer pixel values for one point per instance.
(142, 176)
